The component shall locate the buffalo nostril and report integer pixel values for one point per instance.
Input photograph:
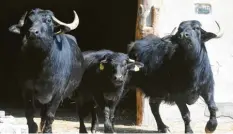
(33, 32)
(117, 78)
(36, 32)
(114, 78)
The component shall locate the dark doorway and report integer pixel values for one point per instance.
(104, 24)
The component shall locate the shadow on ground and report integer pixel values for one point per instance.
(123, 130)
(122, 117)
(66, 121)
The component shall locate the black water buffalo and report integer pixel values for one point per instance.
(105, 78)
(51, 64)
(176, 70)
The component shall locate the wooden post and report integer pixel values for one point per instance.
(144, 114)
(139, 94)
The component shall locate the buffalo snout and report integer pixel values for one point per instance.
(118, 78)
(33, 32)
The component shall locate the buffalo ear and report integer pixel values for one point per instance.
(206, 36)
(102, 63)
(105, 59)
(14, 29)
(135, 66)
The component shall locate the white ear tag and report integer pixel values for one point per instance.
(136, 68)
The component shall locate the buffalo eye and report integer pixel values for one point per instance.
(196, 28)
(49, 20)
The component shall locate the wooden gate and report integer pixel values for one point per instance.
(146, 24)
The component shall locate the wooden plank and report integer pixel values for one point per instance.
(144, 115)
(138, 35)
(139, 106)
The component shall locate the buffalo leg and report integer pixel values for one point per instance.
(162, 128)
(108, 107)
(107, 122)
(94, 123)
(82, 113)
(109, 115)
(105, 105)
(209, 100)
(50, 114)
(84, 106)
(112, 112)
(185, 115)
(30, 111)
(82, 127)
(83, 109)
(43, 115)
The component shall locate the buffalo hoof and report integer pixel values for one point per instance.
(42, 125)
(211, 126)
(82, 130)
(48, 130)
(93, 131)
(108, 128)
(208, 131)
(108, 131)
(33, 128)
(163, 130)
(188, 130)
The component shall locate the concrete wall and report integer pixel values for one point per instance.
(172, 12)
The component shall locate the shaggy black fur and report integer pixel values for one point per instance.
(51, 66)
(103, 87)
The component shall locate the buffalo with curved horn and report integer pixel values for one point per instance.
(51, 64)
(177, 70)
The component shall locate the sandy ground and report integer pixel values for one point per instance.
(66, 121)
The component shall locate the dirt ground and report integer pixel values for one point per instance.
(66, 121)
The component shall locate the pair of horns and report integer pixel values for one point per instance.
(219, 33)
(69, 26)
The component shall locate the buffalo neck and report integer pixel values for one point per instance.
(193, 56)
(196, 57)
(39, 60)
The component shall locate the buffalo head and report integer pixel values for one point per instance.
(40, 26)
(116, 67)
(191, 35)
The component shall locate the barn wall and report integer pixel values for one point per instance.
(220, 50)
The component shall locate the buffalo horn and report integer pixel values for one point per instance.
(220, 32)
(72, 25)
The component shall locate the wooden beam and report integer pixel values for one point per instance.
(144, 114)
(139, 106)
(138, 35)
